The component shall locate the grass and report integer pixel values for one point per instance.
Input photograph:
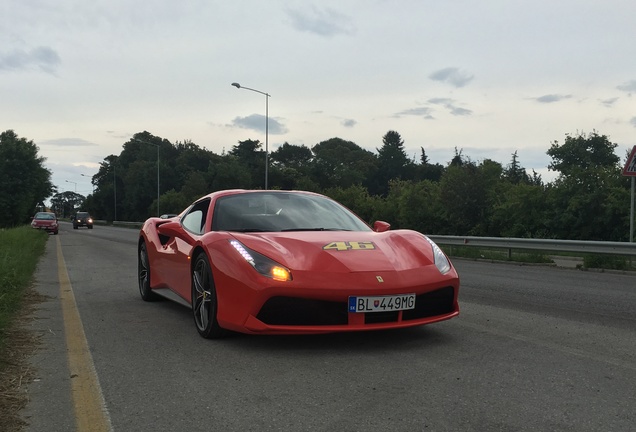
(20, 250)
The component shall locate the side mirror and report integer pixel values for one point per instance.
(169, 229)
(381, 226)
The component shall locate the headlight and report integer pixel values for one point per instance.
(90, 220)
(262, 264)
(441, 262)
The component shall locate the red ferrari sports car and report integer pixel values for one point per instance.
(292, 262)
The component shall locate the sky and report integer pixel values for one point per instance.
(487, 78)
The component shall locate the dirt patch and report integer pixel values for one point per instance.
(15, 370)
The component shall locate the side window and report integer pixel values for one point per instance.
(194, 220)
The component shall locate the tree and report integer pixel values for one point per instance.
(24, 181)
(291, 164)
(249, 154)
(458, 159)
(426, 170)
(66, 203)
(393, 163)
(341, 163)
(515, 173)
(589, 198)
(583, 155)
(522, 212)
(106, 183)
(463, 199)
(226, 172)
(417, 204)
(292, 156)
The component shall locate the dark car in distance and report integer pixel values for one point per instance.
(45, 221)
(82, 219)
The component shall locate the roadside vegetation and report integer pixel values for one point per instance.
(20, 250)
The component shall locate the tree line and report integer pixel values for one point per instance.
(588, 200)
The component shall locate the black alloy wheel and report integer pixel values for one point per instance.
(143, 271)
(204, 301)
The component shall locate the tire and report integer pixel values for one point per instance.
(143, 274)
(204, 300)
(74, 226)
(90, 227)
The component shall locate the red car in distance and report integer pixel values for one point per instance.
(45, 221)
(292, 262)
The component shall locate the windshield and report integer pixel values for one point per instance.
(46, 216)
(282, 211)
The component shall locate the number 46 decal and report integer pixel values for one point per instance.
(349, 245)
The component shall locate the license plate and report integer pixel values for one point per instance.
(382, 303)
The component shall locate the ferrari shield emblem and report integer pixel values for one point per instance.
(379, 278)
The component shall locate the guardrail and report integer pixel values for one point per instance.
(579, 246)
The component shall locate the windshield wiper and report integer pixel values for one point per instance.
(248, 230)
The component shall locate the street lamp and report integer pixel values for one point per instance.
(92, 184)
(68, 181)
(267, 96)
(156, 145)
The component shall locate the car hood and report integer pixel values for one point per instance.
(44, 222)
(343, 251)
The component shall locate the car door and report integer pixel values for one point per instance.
(176, 251)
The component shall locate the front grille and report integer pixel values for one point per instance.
(299, 312)
(381, 317)
(438, 302)
(293, 311)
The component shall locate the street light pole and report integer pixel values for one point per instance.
(267, 96)
(115, 191)
(156, 145)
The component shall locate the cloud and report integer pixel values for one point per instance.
(256, 122)
(43, 58)
(608, 102)
(550, 98)
(450, 105)
(326, 22)
(349, 123)
(68, 142)
(632, 121)
(629, 86)
(425, 112)
(457, 111)
(451, 75)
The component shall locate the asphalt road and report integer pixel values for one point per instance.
(534, 349)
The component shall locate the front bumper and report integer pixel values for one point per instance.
(318, 303)
(287, 315)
